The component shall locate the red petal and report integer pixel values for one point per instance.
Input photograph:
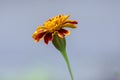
(74, 22)
(62, 33)
(38, 36)
(47, 38)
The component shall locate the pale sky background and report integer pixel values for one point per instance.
(93, 48)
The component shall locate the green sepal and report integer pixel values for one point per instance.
(59, 43)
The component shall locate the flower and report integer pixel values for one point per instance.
(54, 26)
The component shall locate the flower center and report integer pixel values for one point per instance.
(52, 24)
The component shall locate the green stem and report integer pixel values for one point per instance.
(64, 53)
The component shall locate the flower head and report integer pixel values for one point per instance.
(54, 26)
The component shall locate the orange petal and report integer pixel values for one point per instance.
(63, 32)
(47, 38)
(70, 24)
(37, 36)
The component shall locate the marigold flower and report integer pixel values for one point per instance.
(54, 26)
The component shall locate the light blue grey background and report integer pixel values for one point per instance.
(93, 48)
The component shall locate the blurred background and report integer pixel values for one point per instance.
(93, 48)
